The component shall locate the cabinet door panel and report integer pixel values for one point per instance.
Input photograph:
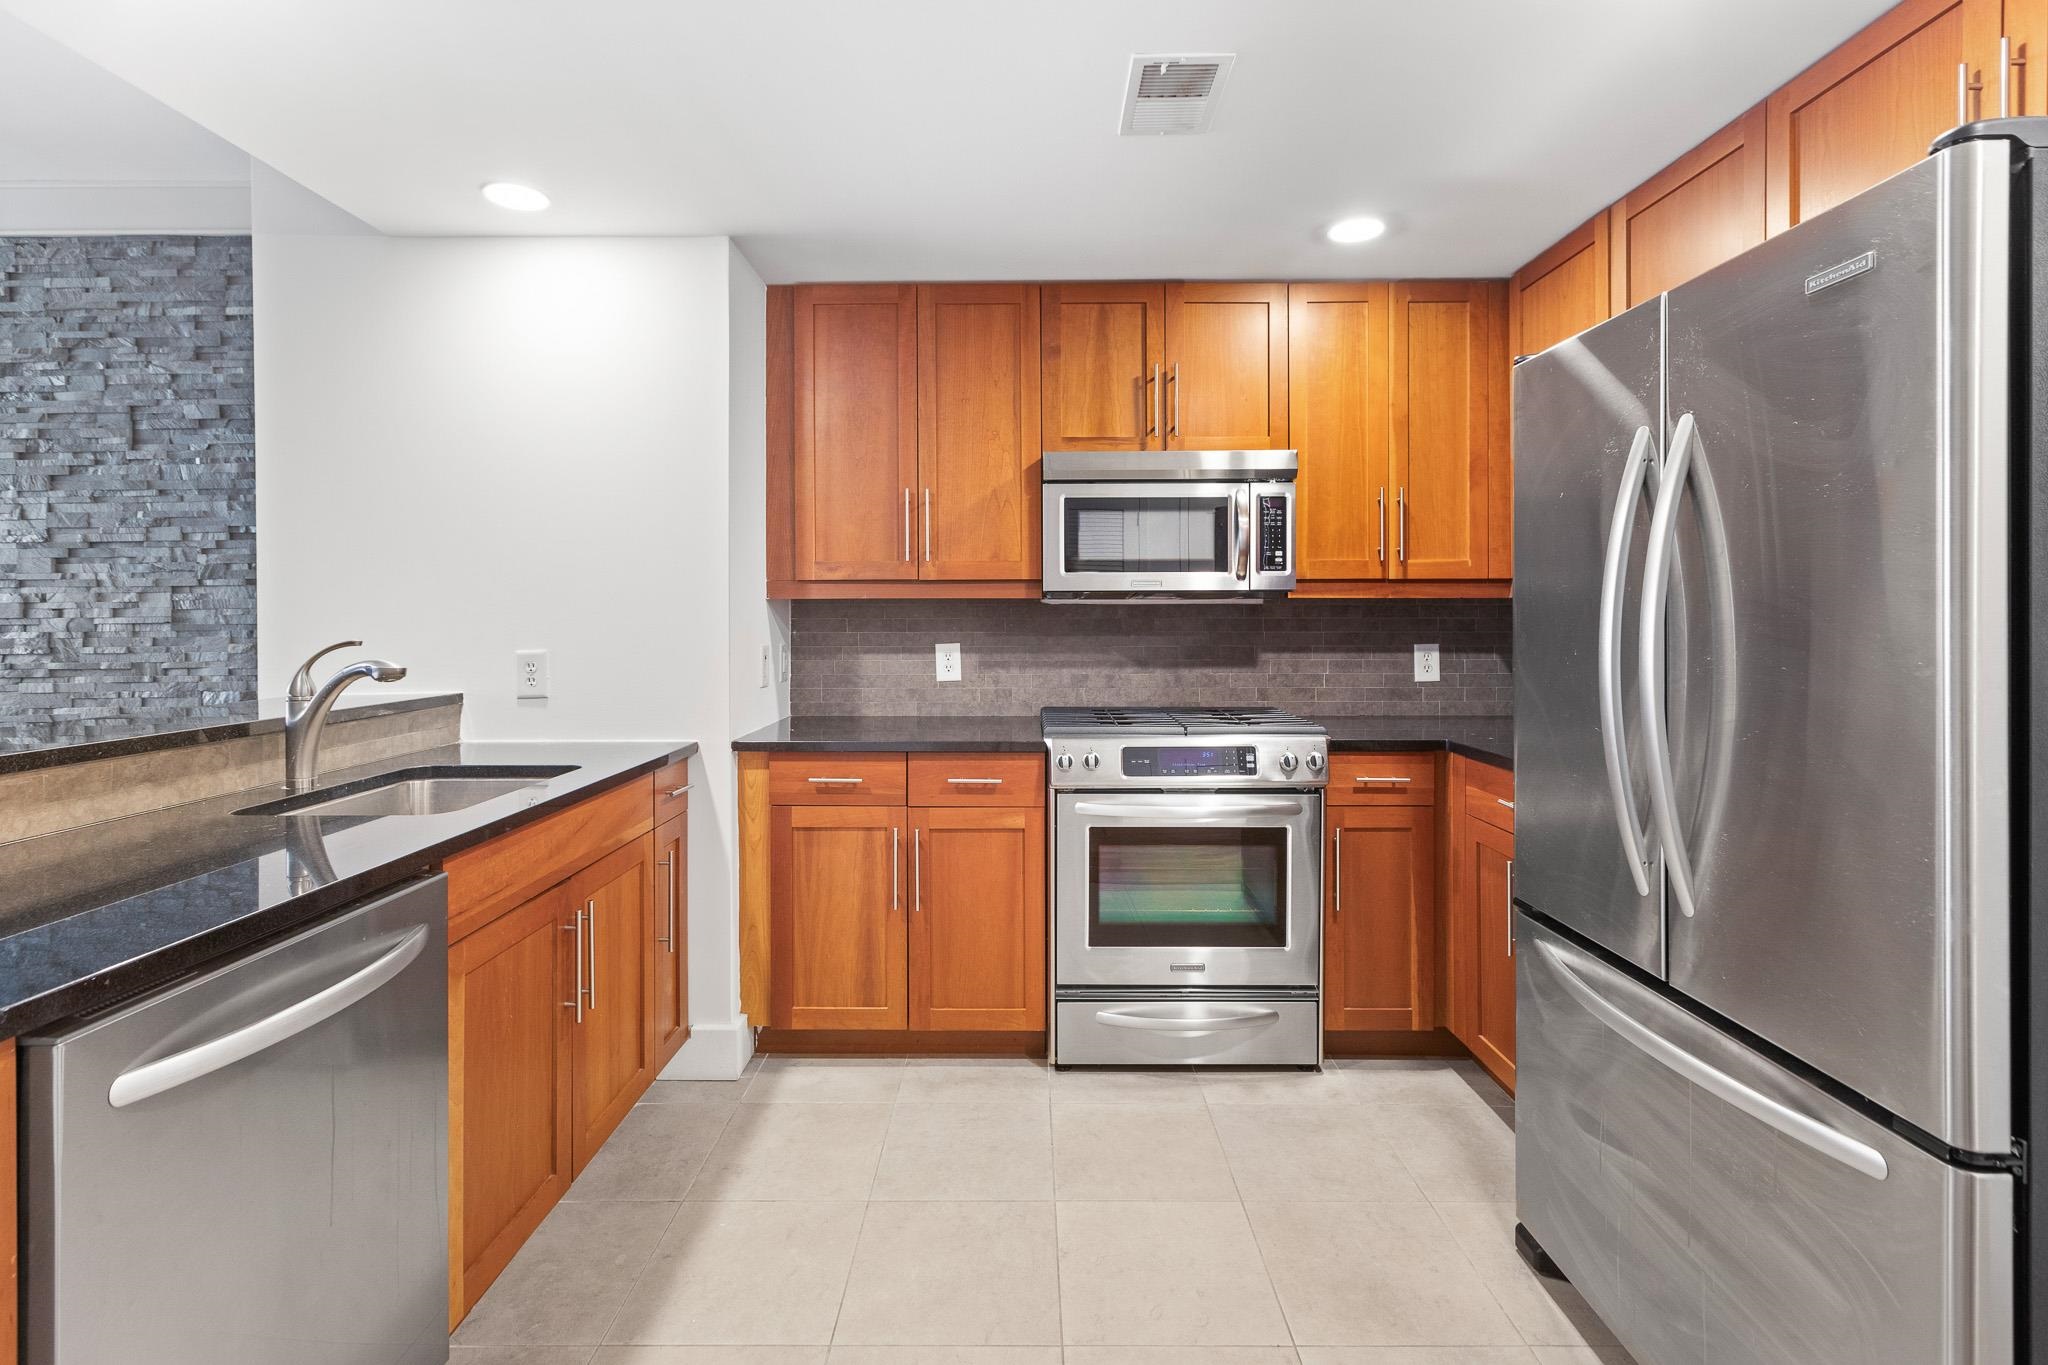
(856, 430)
(1490, 870)
(977, 425)
(1868, 109)
(613, 1046)
(1103, 345)
(510, 1144)
(1445, 340)
(1562, 292)
(1226, 360)
(837, 917)
(1337, 374)
(1705, 208)
(977, 936)
(1379, 969)
(671, 938)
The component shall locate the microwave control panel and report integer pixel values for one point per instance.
(1272, 534)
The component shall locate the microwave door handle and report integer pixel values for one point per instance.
(1244, 533)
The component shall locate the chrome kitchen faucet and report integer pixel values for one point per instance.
(306, 711)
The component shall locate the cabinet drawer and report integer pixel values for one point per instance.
(671, 791)
(1490, 795)
(1382, 779)
(977, 780)
(486, 881)
(836, 780)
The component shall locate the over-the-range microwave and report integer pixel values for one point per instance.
(1167, 525)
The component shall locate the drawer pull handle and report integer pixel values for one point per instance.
(1364, 778)
(851, 781)
(678, 791)
(1502, 800)
(976, 781)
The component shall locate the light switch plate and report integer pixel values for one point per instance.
(766, 655)
(1428, 665)
(948, 659)
(533, 673)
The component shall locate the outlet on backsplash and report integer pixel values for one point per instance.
(947, 658)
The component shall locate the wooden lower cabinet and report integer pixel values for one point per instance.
(1379, 949)
(671, 938)
(1479, 916)
(837, 909)
(978, 930)
(612, 1042)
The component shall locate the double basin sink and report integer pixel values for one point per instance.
(435, 789)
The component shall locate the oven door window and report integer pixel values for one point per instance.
(1147, 535)
(1187, 888)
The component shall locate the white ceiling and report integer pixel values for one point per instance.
(848, 139)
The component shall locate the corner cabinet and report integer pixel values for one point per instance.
(904, 896)
(1479, 921)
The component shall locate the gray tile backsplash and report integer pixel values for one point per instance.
(127, 482)
(1316, 658)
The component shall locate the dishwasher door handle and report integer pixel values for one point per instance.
(154, 1078)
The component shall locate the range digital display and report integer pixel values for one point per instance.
(1182, 760)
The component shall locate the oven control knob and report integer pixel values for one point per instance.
(1287, 761)
(1315, 762)
(1092, 762)
(1064, 762)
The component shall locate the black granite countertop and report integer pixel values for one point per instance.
(93, 915)
(115, 736)
(911, 734)
(1490, 739)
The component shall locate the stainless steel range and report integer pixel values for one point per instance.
(1187, 886)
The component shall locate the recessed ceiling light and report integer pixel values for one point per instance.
(1351, 231)
(519, 198)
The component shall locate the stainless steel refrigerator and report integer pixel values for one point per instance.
(1773, 663)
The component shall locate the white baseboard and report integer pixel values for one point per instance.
(715, 1052)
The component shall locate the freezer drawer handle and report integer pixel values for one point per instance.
(1190, 1027)
(1809, 1132)
(1656, 749)
(154, 1078)
(1620, 789)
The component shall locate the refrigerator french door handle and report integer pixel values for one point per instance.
(1801, 1128)
(1656, 739)
(1635, 472)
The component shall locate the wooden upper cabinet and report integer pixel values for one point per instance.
(855, 430)
(1379, 959)
(1226, 367)
(1705, 208)
(1869, 108)
(977, 431)
(1446, 345)
(2026, 24)
(1562, 292)
(1104, 347)
(671, 930)
(613, 1044)
(1338, 364)
(977, 918)
(837, 875)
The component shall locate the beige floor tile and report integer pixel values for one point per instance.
(1309, 1152)
(1582, 1355)
(1274, 1086)
(826, 1080)
(1013, 1079)
(945, 1355)
(1457, 1152)
(567, 1281)
(519, 1355)
(964, 1273)
(795, 1151)
(1545, 1312)
(1112, 1151)
(768, 1273)
(710, 1355)
(1404, 1080)
(1166, 1274)
(1375, 1275)
(1106, 1085)
(966, 1151)
(1181, 1355)
(1416, 1355)
(654, 1154)
(695, 1092)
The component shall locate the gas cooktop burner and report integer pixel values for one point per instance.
(1175, 720)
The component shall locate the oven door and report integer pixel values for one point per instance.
(1159, 537)
(1175, 890)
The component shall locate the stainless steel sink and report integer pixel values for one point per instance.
(433, 790)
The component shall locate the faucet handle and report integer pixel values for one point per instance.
(302, 681)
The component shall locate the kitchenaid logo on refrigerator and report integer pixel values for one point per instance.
(1835, 274)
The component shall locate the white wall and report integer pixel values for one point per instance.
(468, 446)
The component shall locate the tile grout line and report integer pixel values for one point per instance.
(1209, 1111)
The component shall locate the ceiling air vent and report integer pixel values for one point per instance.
(1173, 93)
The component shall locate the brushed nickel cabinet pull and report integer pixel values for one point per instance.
(678, 791)
(1381, 502)
(1367, 777)
(590, 907)
(927, 525)
(906, 526)
(1401, 523)
(668, 861)
(576, 1000)
(976, 781)
(1502, 800)
(916, 871)
(1337, 878)
(835, 781)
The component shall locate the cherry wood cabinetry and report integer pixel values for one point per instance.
(1562, 292)
(1102, 366)
(855, 430)
(838, 917)
(977, 431)
(1380, 917)
(977, 912)
(612, 1042)
(1226, 366)
(1340, 345)
(1478, 918)
(1704, 208)
(671, 938)
(1447, 353)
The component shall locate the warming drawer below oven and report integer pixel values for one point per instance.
(1181, 1031)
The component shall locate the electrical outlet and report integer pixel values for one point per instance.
(533, 673)
(766, 654)
(948, 658)
(1428, 667)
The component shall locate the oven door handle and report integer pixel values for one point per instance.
(1235, 810)
(1216, 1019)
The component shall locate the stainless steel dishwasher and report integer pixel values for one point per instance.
(250, 1166)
